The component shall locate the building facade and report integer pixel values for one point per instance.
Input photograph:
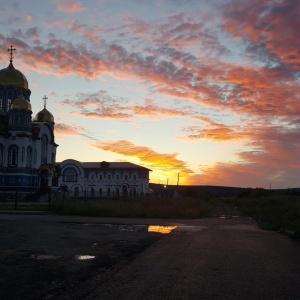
(27, 146)
(103, 179)
(28, 152)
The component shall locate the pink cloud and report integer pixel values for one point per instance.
(69, 6)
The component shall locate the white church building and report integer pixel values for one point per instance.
(28, 152)
(103, 179)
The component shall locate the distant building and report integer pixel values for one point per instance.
(103, 179)
(28, 152)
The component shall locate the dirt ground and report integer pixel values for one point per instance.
(43, 256)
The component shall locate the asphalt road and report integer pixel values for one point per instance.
(225, 256)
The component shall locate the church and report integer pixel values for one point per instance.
(28, 152)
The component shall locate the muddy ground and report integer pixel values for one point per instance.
(42, 256)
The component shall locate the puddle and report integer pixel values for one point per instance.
(161, 229)
(138, 228)
(44, 256)
(84, 257)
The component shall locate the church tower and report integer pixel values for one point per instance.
(27, 147)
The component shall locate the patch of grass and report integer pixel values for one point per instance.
(280, 210)
(39, 207)
(171, 208)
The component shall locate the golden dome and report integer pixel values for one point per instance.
(44, 116)
(21, 103)
(12, 76)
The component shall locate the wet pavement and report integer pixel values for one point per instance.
(226, 256)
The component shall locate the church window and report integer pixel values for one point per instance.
(76, 191)
(134, 176)
(44, 146)
(8, 104)
(118, 177)
(109, 177)
(101, 176)
(92, 175)
(1, 155)
(29, 157)
(100, 192)
(23, 154)
(126, 177)
(13, 156)
(28, 120)
(22, 118)
(70, 175)
(53, 158)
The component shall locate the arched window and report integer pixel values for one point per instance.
(76, 191)
(92, 175)
(23, 154)
(53, 158)
(70, 175)
(29, 157)
(1, 155)
(8, 103)
(13, 156)
(44, 146)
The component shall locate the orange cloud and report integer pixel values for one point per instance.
(63, 131)
(166, 164)
(102, 105)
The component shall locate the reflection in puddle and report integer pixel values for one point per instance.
(43, 256)
(84, 257)
(161, 229)
(138, 228)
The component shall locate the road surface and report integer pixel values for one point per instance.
(225, 256)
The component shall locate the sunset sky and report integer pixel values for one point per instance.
(206, 89)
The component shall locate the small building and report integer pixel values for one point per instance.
(103, 179)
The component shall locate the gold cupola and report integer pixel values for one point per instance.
(44, 115)
(12, 77)
(21, 103)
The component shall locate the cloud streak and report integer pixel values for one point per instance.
(237, 60)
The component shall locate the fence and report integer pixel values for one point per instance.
(95, 194)
(15, 201)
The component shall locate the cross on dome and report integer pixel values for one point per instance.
(45, 101)
(11, 50)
